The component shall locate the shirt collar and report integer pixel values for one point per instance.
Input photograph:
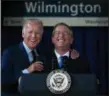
(58, 55)
(28, 50)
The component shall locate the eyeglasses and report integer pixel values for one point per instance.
(62, 32)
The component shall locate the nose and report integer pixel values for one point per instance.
(33, 34)
(61, 35)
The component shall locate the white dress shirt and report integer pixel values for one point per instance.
(58, 55)
(30, 57)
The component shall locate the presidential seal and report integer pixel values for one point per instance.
(58, 81)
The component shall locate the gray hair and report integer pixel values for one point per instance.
(34, 21)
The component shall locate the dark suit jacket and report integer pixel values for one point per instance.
(74, 66)
(14, 60)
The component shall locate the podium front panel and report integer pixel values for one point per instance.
(35, 85)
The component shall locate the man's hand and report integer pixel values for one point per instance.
(74, 54)
(36, 66)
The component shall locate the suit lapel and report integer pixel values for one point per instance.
(54, 61)
(24, 54)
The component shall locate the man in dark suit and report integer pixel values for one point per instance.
(21, 59)
(62, 38)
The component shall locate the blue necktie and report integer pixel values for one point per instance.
(61, 61)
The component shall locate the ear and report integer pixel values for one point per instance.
(52, 39)
(22, 34)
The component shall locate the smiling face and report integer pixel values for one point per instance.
(62, 37)
(32, 33)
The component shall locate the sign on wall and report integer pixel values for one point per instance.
(73, 12)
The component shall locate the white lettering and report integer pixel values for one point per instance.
(31, 7)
